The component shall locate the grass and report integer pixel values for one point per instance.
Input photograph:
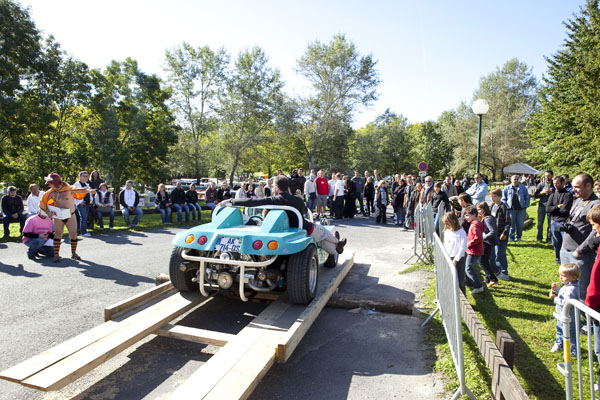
(147, 222)
(522, 308)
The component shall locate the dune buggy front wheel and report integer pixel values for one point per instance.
(180, 272)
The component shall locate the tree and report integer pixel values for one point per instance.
(196, 78)
(248, 106)
(564, 130)
(132, 125)
(341, 80)
(430, 146)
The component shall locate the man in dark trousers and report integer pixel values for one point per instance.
(323, 236)
(543, 190)
(13, 209)
(558, 208)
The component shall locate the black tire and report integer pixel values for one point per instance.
(303, 276)
(181, 280)
(332, 260)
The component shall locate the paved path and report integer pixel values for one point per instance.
(344, 355)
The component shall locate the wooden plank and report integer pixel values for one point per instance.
(136, 301)
(195, 335)
(201, 382)
(247, 372)
(51, 356)
(290, 341)
(146, 322)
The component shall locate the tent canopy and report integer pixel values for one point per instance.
(520, 168)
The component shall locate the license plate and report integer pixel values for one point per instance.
(229, 244)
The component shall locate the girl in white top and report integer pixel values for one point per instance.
(455, 244)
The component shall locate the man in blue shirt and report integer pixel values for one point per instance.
(517, 199)
(478, 190)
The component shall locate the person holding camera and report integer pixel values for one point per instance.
(575, 247)
(558, 207)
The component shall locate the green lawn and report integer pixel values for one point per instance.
(522, 308)
(148, 221)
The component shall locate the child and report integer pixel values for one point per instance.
(474, 249)
(490, 240)
(569, 278)
(382, 198)
(455, 243)
(501, 213)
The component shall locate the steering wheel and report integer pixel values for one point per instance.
(258, 217)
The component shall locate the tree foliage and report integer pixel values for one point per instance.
(564, 130)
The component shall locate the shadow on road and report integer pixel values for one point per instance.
(19, 270)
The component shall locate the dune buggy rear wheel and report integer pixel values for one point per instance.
(182, 280)
(303, 276)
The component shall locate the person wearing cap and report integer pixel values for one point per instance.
(36, 232)
(61, 197)
(12, 207)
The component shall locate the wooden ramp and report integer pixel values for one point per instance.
(232, 373)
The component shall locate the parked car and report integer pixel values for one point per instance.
(242, 253)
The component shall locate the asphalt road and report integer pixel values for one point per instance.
(344, 355)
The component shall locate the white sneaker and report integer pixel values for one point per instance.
(555, 348)
(478, 290)
(503, 277)
(87, 234)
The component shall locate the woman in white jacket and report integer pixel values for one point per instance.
(455, 244)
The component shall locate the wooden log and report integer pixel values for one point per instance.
(136, 301)
(130, 331)
(528, 223)
(506, 345)
(381, 304)
(195, 335)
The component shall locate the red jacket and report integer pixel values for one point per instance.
(592, 297)
(322, 186)
(475, 238)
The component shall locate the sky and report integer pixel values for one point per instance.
(430, 54)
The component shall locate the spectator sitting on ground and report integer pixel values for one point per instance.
(191, 198)
(569, 275)
(179, 204)
(33, 201)
(163, 204)
(36, 232)
(129, 200)
(104, 205)
(224, 193)
(12, 207)
(212, 195)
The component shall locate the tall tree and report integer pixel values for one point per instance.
(430, 146)
(196, 77)
(564, 130)
(341, 79)
(247, 108)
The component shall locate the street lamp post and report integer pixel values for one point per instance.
(480, 107)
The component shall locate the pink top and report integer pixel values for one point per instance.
(36, 224)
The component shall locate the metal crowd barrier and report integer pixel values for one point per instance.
(566, 367)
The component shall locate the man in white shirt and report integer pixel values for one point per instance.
(478, 190)
(33, 201)
(338, 196)
(129, 199)
(331, 184)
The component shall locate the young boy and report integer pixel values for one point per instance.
(569, 278)
(474, 249)
(501, 213)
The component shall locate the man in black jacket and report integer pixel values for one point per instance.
(543, 190)
(326, 240)
(575, 247)
(502, 214)
(558, 207)
(13, 209)
(179, 203)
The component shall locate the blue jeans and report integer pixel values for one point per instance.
(557, 238)
(573, 339)
(184, 207)
(165, 214)
(84, 210)
(585, 263)
(498, 257)
(211, 205)
(400, 216)
(359, 197)
(6, 220)
(541, 217)
(37, 246)
(472, 273)
(138, 214)
(100, 211)
(195, 209)
(517, 219)
(310, 203)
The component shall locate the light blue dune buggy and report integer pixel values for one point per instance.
(256, 254)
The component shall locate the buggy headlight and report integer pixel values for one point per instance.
(189, 239)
